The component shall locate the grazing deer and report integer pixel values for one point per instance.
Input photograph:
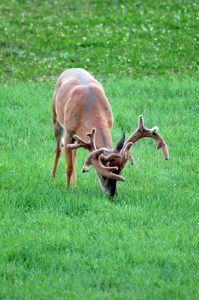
(80, 109)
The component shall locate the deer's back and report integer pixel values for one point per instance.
(80, 101)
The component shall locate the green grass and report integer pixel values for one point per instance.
(42, 38)
(81, 245)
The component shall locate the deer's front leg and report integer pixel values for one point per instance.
(69, 161)
(73, 178)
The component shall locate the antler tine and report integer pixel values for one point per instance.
(90, 145)
(125, 154)
(143, 132)
(141, 123)
(91, 136)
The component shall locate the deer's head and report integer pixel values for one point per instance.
(109, 163)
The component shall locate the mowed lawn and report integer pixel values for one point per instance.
(81, 245)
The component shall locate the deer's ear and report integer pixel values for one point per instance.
(120, 144)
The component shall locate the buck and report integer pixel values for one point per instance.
(82, 117)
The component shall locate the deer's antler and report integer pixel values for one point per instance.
(143, 132)
(95, 160)
(95, 157)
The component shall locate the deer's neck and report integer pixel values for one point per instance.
(103, 137)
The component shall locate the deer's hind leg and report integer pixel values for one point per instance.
(58, 130)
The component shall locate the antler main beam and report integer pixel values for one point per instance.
(143, 132)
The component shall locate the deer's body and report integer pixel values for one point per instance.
(80, 106)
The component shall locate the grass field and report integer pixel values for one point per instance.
(39, 39)
(80, 245)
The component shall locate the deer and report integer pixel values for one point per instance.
(83, 118)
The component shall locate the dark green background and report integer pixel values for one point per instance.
(39, 39)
